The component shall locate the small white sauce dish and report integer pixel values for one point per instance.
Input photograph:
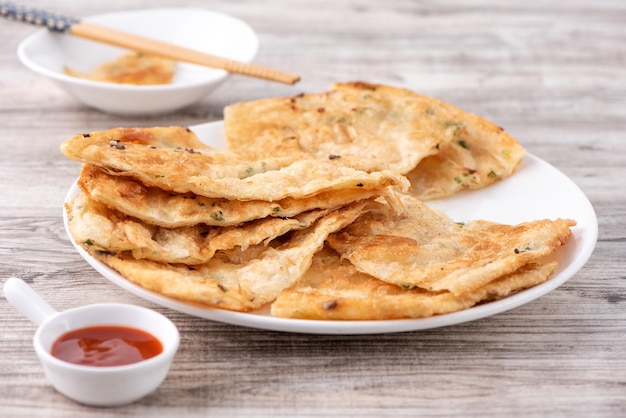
(48, 53)
(91, 385)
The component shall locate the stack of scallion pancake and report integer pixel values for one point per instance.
(318, 207)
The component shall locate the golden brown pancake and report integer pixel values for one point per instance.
(221, 174)
(168, 209)
(480, 154)
(365, 126)
(441, 148)
(238, 283)
(404, 250)
(332, 289)
(95, 225)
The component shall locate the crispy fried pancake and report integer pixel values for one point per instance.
(170, 137)
(333, 289)
(170, 148)
(366, 126)
(131, 68)
(481, 154)
(406, 251)
(94, 224)
(211, 173)
(441, 148)
(227, 283)
(169, 209)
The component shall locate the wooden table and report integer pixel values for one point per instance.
(552, 73)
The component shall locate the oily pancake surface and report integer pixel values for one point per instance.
(168, 137)
(480, 154)
(222, 174)
(333, 289)
(367, 126)
(235, 281)
(95, 225)
(168, 209)
(441, 148)
(439, 256)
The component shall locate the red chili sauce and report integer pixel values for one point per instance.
(104, 346)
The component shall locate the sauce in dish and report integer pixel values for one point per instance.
(106, 345)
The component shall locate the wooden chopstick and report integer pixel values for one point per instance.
(151, 46)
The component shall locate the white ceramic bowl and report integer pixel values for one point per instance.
(47, 53)
(106, 386)
(91, 385)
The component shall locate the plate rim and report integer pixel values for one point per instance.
(264, 321)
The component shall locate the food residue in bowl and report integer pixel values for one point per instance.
(131, 68)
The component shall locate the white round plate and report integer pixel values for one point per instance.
(536, 191)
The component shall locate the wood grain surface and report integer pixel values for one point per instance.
(552, 73)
